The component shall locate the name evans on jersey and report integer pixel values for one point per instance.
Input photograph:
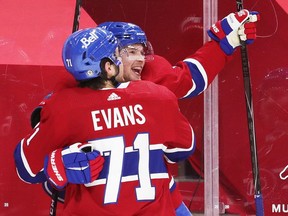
(118, 117)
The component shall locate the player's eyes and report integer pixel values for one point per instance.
(132, 52)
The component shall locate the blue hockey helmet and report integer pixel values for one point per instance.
(84, 49)
(129, 34)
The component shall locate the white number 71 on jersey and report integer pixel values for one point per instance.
(114, 147)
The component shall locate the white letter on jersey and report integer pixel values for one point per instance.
(117, 118)
(142, 118)
(107, 118)
(96, 120)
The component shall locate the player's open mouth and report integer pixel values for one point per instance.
(137, 70)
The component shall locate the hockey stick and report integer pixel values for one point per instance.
(251, 127)
(53, 205)
(76, 15)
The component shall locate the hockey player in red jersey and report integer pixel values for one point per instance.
(121, 125)
(191, 76)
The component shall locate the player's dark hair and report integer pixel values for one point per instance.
(98, 82)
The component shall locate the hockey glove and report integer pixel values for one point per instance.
(73, 165)
(228, 30)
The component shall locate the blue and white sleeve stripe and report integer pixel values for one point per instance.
(173, 155)
(23, 169)
(199, 77)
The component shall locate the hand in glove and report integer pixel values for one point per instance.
(232, 28)
(73, 165)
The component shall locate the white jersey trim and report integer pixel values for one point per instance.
(201, 70)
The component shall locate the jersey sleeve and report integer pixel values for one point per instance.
(203, 66)
(30, 152)
(180, 139)
(176, 79)
(23, 169)
(191, 76)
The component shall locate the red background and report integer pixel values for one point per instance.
(31, 39)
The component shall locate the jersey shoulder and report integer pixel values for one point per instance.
(156, 69)
(144, 86)
(62, 99)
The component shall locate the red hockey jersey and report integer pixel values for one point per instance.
(134, 127)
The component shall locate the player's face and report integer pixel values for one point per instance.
(133, 59)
